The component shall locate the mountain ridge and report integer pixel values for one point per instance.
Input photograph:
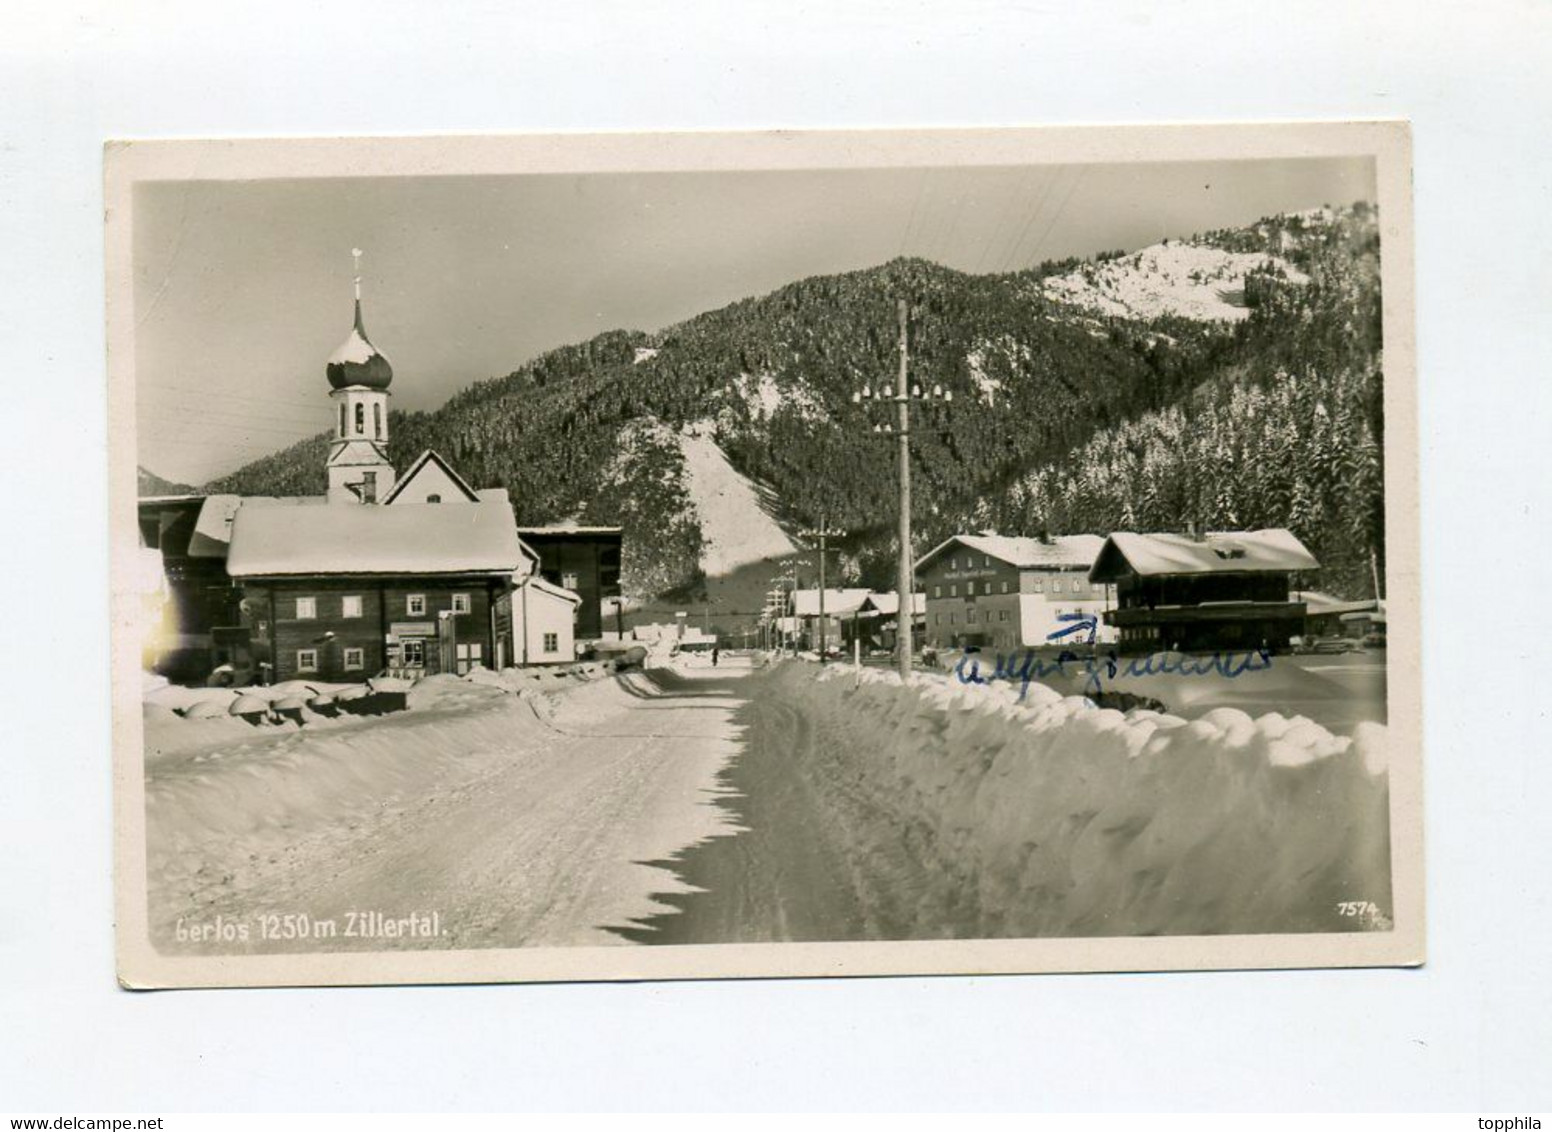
(1067, 414)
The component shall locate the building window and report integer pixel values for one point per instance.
(1056, 587)
(953, 563)
(1039, 586)
(306, 608)
(953, 591)
(969, 589)
(969, 617)
(342, 418)
(951, 618)
(415, 605)
(937, 591)
(1004, 587)
(568, 581)
(1002, 615)
(350, 605)
(360, 419)
(433, 498)
(307, 660)
(552, 642)
(377, 421)
(460, 603)
(937, 618)
(355, 660)
(986, 560)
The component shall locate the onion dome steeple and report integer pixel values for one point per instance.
(357, 361)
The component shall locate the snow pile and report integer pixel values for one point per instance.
(736, 527)
(1188, 280)
(1052, 817)
(198, 722)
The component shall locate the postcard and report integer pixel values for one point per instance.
(656, 556)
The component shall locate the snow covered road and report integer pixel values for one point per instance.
(516, 820)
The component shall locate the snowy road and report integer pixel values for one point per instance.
(537, 839)
(601, 814)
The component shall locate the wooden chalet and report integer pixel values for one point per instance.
(1228, 590)
(342, 592)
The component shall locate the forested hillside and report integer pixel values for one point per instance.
(1069, 414)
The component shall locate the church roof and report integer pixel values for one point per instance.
(355, 538)
(357, 361)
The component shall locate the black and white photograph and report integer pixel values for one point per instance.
(696, 556)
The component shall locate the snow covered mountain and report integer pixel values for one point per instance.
(1088, 396)
(1195, 281)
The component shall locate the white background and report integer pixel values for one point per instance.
(1473, 1030)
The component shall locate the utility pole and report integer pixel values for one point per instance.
(902, 397)
(791, 574)
(823, 534)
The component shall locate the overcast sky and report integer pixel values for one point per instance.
(242, 289)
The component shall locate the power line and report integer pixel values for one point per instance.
(1059, 210)
(1045, 195)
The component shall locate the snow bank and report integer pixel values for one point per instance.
(262, 793)
(1052, 817)
(199, 722)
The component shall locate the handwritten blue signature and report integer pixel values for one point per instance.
(1097, 667)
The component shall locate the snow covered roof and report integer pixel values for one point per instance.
(358, 538)
(213, 529)
(1319, 604)
(357, 362)
(538, 583)
(837, 603)
(570, 529)
(888, 603)
(1058, 552)
(1220, 552)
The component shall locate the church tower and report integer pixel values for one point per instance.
(359, 471)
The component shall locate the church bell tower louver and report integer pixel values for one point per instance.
(359, 376)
